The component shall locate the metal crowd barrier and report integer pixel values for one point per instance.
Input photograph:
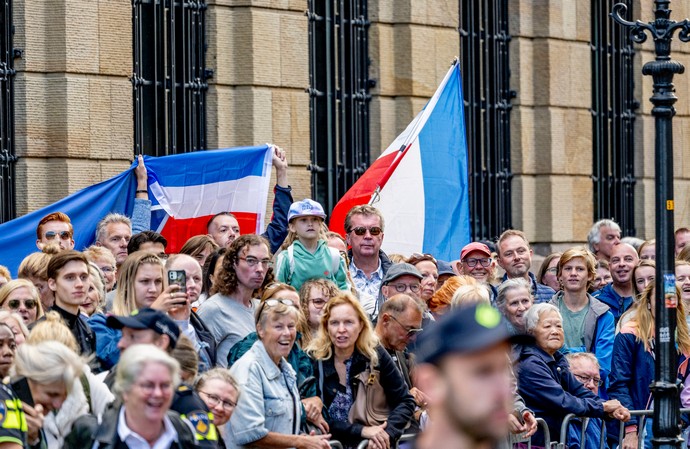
(517, 439)
(643, 414)
(335, 444)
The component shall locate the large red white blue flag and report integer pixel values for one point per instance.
(186, 190)
(419, 182)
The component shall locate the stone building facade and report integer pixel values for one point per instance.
(74, 102)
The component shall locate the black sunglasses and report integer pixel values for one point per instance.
(361, 230)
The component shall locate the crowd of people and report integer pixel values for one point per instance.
(301, 336)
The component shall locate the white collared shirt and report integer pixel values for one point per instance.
(135, 441)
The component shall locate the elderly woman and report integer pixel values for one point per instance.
(220, 391)
(345, 347)
(513, 299)
(544, 378)
(146, 381)
(51, 371)
(87, 395)
(95, 296)
(269, 413)
(22, 297)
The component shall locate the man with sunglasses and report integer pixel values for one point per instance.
(57, 228)
(399, 322)
(368, 264)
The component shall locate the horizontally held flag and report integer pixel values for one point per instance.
(185, 191)
(419, 182)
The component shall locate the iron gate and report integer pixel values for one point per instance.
(170, 76)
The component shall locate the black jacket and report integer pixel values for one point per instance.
(86, 339)
(204, 335)
(400, 401)
(86, 430)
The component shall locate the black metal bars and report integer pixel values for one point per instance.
(613, 117)
(8, 158)
(339, 96)
(170, 76)
(485, 65)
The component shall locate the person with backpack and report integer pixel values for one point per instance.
(306, 254)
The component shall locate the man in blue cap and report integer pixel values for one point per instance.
(465, 371)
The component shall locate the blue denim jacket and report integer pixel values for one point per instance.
(269, 399)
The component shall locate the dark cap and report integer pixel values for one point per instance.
(400, 269)
(465, 330)
(444, 268)
(147, 318)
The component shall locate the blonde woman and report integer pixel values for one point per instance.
(632, 368)
(86, 395)
(139, 285)
(21, 296)
(345, 346)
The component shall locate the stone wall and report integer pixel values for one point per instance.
(74, 119)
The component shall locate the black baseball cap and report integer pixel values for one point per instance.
(147, 318)
(465, 330)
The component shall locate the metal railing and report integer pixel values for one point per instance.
(485, 65)
(170, 76)
(338, 96)
(517, 439)
(613, 116)
(644, 414)
(8, 159)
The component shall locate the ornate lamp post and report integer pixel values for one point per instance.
(666, 427)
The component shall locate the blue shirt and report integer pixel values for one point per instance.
(617, 303)
(368, 288)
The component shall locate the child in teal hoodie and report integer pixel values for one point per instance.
(306, 254)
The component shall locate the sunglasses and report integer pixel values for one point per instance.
(272, 303)
(361, 230)
(411, 332)
(30, 304)
(64, 235)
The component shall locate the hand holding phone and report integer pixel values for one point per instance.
(179, 277)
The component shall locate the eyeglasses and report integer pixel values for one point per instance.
(552, 270)
(585, 380)
(401, 288)
(473, 262)
(14, 304)
(64, 235)
(253, 261)
(107, 269)
(318, 302)
(411, 332)
(361, 230)
(214, 400)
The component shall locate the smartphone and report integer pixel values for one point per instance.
(21, 389)
(178, 277)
